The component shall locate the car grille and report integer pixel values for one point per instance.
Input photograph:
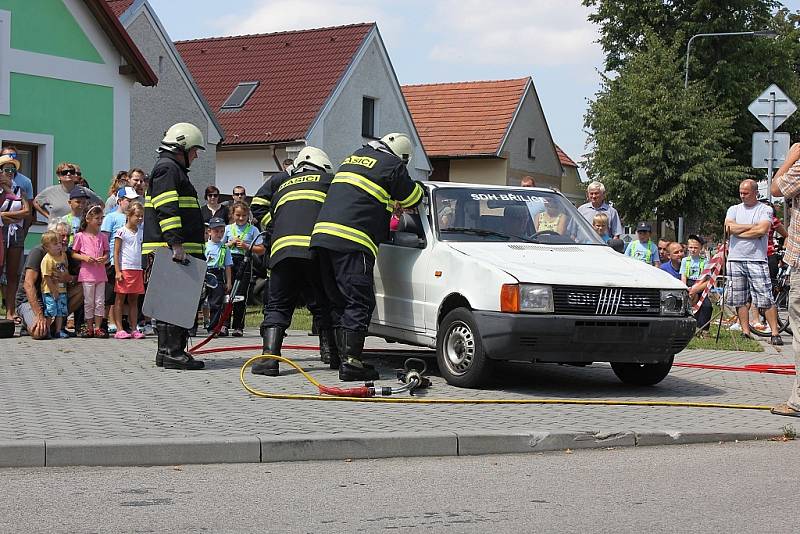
(578, 300)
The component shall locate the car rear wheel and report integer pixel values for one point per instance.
(459, 350)
(642, 374)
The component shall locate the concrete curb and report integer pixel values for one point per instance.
(303, 447)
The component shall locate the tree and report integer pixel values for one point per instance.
(662, 151)
(734, 69)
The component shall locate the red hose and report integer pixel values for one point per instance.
(361, 391)
(776, 369)
(770, 368)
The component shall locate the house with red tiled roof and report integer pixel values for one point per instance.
(333, 88)
(176, 97)
(67, 73)
(491, 132)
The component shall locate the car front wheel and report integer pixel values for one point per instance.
(642, 374)
(459, 350)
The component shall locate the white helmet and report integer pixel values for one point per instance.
(313, 156)
(185, 136)
(400, 144)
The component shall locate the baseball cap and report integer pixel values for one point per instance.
(215, 222)
(127, 192)
(644, 227)
(78, 192)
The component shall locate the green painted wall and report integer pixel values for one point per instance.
(47, 27)
(79, 116)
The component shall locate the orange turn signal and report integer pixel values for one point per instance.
(509, 298)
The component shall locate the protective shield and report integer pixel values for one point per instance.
(173, 291)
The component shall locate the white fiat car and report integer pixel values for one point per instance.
(485, 273)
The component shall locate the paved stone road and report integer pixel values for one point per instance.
(110, 389)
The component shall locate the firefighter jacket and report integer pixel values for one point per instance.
(360, 201)
(172, 213)
(289, 204)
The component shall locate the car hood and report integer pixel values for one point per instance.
(584, 265)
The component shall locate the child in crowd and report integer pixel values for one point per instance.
(691, 268)
(91, 249)
(218, 258)
(54, 292)
(643, 249)
(128, 271)
(78, 198)
(238, 237)
(600, 225)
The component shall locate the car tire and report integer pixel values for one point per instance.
(459, 350)
(642, 374)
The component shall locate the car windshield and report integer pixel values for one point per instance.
(528, 215)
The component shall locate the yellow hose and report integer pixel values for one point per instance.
(417, 400)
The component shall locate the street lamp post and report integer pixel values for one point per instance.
(758, 33)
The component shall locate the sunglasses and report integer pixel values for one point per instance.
(212, 195)
(12, 155)
(71, 172)
(9, 170)
(238, 194)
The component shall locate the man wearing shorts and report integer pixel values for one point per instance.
(747, 224)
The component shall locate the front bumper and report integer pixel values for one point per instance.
(581, 339)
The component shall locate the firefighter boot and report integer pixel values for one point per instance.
(177, 357)
(328, 348)
(161, 330)
(272, 337)
(352, 368)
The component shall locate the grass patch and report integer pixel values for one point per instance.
(301, 320)
(728, 340)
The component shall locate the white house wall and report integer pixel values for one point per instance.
(339, 131)
(530, 122)
(243, 167)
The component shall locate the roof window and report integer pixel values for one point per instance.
(240, 95)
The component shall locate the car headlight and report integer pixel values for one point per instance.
(674, 302)
(529, 298)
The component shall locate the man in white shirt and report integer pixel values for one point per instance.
(748, 224)
(596, 194)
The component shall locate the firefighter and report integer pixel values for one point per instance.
(172, 218)
(354, 220)
(289, 204)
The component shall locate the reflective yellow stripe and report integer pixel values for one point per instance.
(170, 223)
(191, 248)
(188, 202)
(165, 198)
(266, 219)
(413, 198)
(303, 194)
(346, 232)
(150, 247)
(290, 241)
(362, 183)
(148, 202)
(258, 201)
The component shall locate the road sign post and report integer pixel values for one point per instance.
(771, 108)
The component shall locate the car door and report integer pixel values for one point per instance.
(399, 286)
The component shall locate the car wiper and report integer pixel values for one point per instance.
(482, 232)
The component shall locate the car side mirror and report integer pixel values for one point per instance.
(407, 239)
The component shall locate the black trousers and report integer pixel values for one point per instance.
(289, 279)
(350, 287)
(703, 315)
(239, 308)
(216, 296)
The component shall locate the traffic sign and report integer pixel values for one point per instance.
(761, 151)
(772, 107)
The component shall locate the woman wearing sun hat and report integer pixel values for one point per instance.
(14, 209)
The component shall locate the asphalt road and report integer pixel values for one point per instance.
(735, 487)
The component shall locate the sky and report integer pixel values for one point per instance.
(441, 41)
